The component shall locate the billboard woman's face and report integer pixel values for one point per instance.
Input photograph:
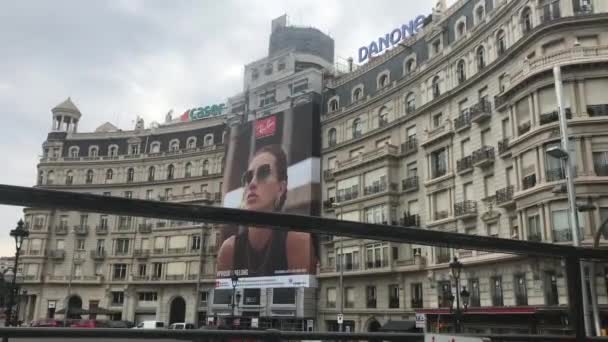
(262, 187)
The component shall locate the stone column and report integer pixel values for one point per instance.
(431, 207)
(543, 168)
(588, 165)
(523, 231)
(537, 169)
(579, 151)
(513, 115)
(582, 99)
(518, 172)
(535, 108)
(547, 222)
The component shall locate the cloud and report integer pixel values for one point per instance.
(119, 59)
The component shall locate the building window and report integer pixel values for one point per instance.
(251, 296)
(444, 295)
(435, 87)
(370, 296)
(170, 171)
(376, 255)
(417, 296)
(501, 83)
(350, 261)
(460, 71)
(496, 291)
(383, 80)
(358, 94)
(188, 170)
(285, 295)
(479, 12)
(600, 163)
(147, 296)
(122, 246)
(119, 272)
(103, 222)
(151, 171)
(393, 296)
(208, 140)
(74, 152)
(409, 65)
(550, 288)
(349, 297)
(130, 175)
(299, 86)
(118, 298)
(501, 43)
(410, 103)
(357, 129)
(205, 167)
(174, 146)
(481, 57)
(134, 149)
(80, 245)
(268, 98)
(526, 20)
(191, 143)
(89, 179)
(155, 147)
(195, 243)
(475, 296)
(333, 105)
(383, 117)
(50, 178)
(203, 298)
(331, 137)
(534, 228)
(157, 270)
(113, 151)
(93, 151)
(461, 29)
(330, 298)
(109, 174)
(438, 163)
(69, 178)
(521, 291)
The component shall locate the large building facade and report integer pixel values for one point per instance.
(449, 131)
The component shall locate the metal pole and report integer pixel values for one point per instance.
(11, 298)
(458, 312)
(341, 325)
(594, 304)
(569, 168)
(573, 279)
(67, 298)
(198, 280)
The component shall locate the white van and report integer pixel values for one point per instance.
(181, 326)
(150, 325)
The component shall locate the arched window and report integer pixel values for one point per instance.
(526, 20)
(90, 175)
(435, 86)
(357, 128)
(151, 172)
(461, 29)
(333, 105)
(383, 117)
(93, 151)
(109, 174)
(170, 171)
(460, 71)
(191, 143)
(224, 137)
(481, 57)
(332, 137)
(113, 151)
(155, 147)
(50, 177)
(188, 170)
(383, 81)
(74, 152)
(174, 145)
(479, 12)
(130, 175)
(501, 43)
(409, 66)
(208, 140)
(40, 177)
(357, 94)
(410, 103)
(205, 167)
(69, 178)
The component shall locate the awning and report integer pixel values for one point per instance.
(507, 310)
(398, 326)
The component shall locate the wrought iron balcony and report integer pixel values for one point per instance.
(61, 230)
(484, 156)
(416, 303)
(463, 121)
(562, 235)
(101, 229)
(598, 110)
(371, 303)
(504, 195)
(377, 264)
(440, 215)
(376, 188)
(98, 254)
(499, 101)
(503, 147)
(464, 165)
(410, 146)
(81, 229)
(410, 220)
(393, 303)
(347, 194)
(328, 174)
(554, 175)
(329, 203)
(465, 209)
(553, 116)
(141, 253)
(348, 266)
(410, 184)
(529, 182)
(145, 228)
(481, 111)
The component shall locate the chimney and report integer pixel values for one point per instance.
(350, 64)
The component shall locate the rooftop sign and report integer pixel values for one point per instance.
(202, 112)
(391, 39)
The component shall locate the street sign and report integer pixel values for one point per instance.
(255, 322)
(340, 318)
(452, 338)
(310, 325)
(420, 320)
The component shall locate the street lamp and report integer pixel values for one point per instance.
(19, 234)
(341, 266)
(456, 268)
(235, 280)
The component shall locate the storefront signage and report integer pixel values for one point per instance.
(202, 112)
(391, 39)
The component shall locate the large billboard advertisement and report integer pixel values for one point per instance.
(272, 165)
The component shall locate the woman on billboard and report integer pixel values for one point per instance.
(262, 251)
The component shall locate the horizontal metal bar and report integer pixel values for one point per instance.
(52, 199)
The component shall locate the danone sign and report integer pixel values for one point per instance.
(202, 112)
(391, 39)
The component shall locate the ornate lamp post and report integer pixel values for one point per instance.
(19, 234)
(456, 268)
(235, 280)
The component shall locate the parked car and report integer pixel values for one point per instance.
(150, 325)
(121, 324)
(89, 323)
(181, 326)
(47, 323)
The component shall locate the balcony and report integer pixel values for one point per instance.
(410, 184)
(371, 303)
(438, 171)
(81, 230)
(174, 277)
(483, 157)
(503, 148)
(499, 101)
(176, 251)
(393, 303)
(465, 209)
(524, 128)
(140, 277)
(464, 165)
(597, 110)
(378, 187)
(145, 228)
(462, 122)
(410, 220)
(441, 215)
(58, 254)
(409, 147)
(376, 264)
(328, 175)
(438, 133)
(481, 111)
(562, 235)
(98, 254)
(141, 253)
(61, 230)
(101, 229)
(504, 196)
(529, 182)
(547, 118)
(554, 175)
(158, 251)
(387, 150)
(417, 303)
(328, 204)
(347, 194)
(348, 266)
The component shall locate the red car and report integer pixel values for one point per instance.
(89, 323)
(47, 323)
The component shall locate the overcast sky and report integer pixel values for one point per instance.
(119, 59)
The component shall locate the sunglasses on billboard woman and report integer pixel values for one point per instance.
(262, 173)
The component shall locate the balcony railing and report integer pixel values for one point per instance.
(465, 209)
(598, 110)
(554, 175)
(504, 195)
(410, 220)
(61, 230)
(101, 229)
(344, 195)
(553, 116)
(176, 250)
(529, 182)
(393, 303)
(379, 187)
(524, 128)
(328, 174)
(481, 111)
(410, 184)
(416, 303)
(440, 215)
(562, 235)
(145, 228)
(81, 229)
(465, 164)
(503, 147)
(462, 122)
(175, 277)
(57, 254)
(601, 169)
(141, 253)
(329, 203)
(376, 264)
(383, 151)
(483, 156)
(349, 266)
(371, 303)
(98, 254)
(410, 146)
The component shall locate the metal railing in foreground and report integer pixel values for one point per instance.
(248, 335)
